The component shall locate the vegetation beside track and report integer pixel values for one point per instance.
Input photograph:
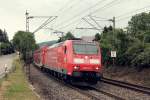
(15, 86)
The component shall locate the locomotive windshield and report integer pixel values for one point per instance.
(85, 48)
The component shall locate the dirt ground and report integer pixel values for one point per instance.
(129, 74)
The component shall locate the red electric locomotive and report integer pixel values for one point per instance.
(74, 60)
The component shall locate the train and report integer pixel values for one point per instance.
(75, 61)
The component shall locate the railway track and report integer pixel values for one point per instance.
(108, 94)
(88, 91)
(137, 88)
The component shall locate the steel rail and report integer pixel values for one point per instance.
(108, 94)
(138, 88)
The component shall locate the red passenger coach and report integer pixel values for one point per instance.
(39, 56)
(73, 60)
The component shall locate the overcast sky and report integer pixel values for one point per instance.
(69, 12)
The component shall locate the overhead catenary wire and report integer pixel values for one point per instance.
(123, 16)
(90, 23)
(133, 11)
(66, 7)
(42, 25)
(45, 23)
(85, 10)
(126, 17)
(95, 22)
(108, 4)
(88, 28)
(99, 17)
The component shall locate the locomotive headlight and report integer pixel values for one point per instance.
(76, 67)
(78, 60)
(97, 68)
(94, 61)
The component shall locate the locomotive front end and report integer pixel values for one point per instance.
(86, 62)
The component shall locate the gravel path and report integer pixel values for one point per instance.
(6, 60)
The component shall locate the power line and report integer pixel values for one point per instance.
(50, 19)
(95, 21)
(69, 7)
(43, 24)
(62, 9)
(121, 19)
(85, 10)
(133, 11)
(65, 7)
(108, 4)
(100, 17)
(90, 23)
(87, 28)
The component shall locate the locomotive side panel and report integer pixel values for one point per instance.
(55, 59)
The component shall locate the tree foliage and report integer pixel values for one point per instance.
(3, 36)
(97, 37)
(132, 46)
(24, 42)
(139, 50)
(6, 47)
(139, 24)
(68, 36)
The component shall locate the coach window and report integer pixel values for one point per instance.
(65, 50)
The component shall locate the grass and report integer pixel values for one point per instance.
(16, 87)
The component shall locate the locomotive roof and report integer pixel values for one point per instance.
(75, 41)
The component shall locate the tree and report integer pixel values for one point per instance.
(132, 46)
(139, 49)
(107, 29)
(97, 37)
(118, 41)
(24, 42)
(139, 23)
(5, 46)
(3, 36)
(68, 36)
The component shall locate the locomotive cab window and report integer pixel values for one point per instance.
(85, 49)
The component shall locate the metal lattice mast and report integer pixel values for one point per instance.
(27, 21)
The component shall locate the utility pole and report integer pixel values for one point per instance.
(113, 51)
(49, 19)
(114, 22)
(27, 21)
